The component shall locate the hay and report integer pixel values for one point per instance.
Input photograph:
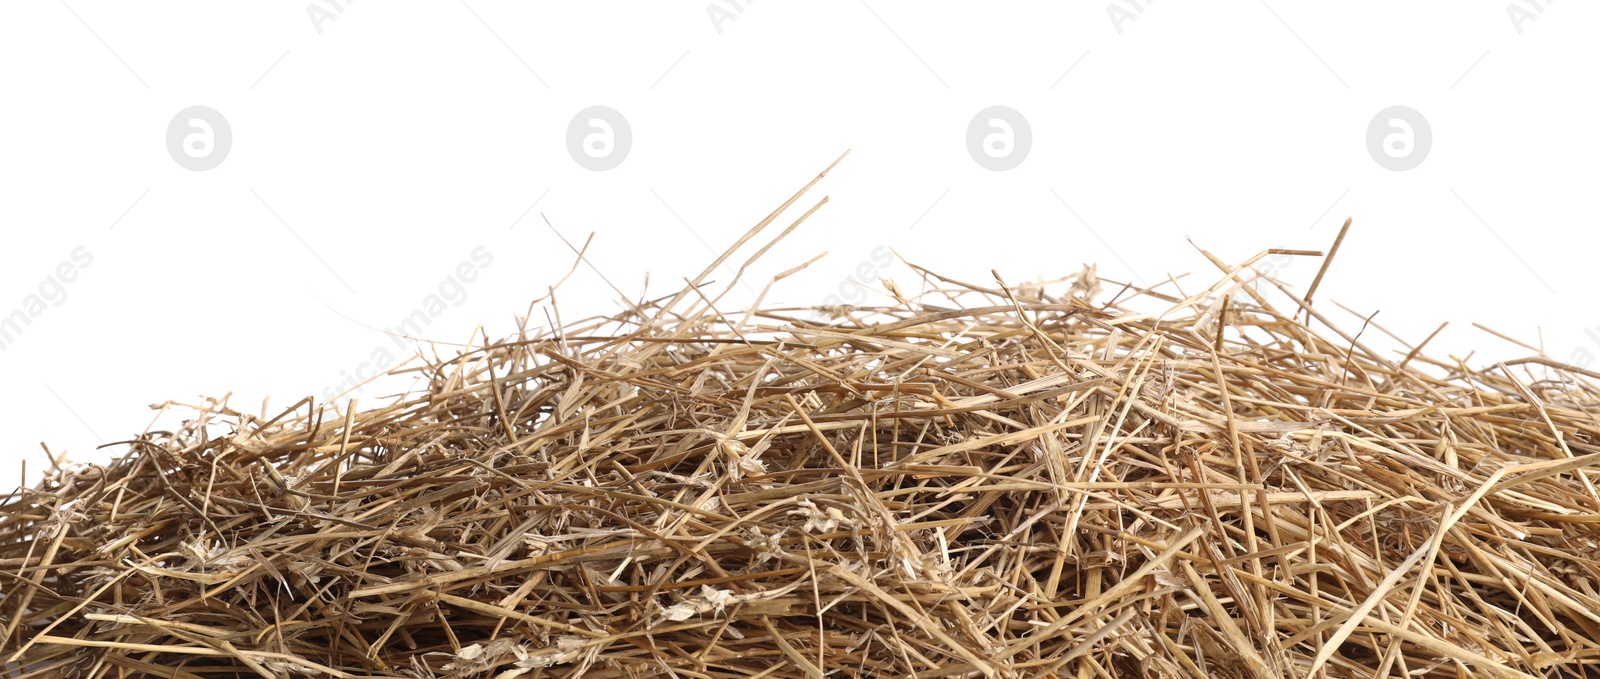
(984, 480)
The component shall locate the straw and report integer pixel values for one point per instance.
(1077, 478)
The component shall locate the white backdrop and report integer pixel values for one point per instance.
(363, 156)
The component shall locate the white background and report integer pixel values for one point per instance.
(393, 138)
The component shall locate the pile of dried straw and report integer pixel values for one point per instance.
(989, 480)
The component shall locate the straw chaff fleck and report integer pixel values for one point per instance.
(983, 480)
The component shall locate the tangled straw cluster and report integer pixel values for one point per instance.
(1034, 481)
